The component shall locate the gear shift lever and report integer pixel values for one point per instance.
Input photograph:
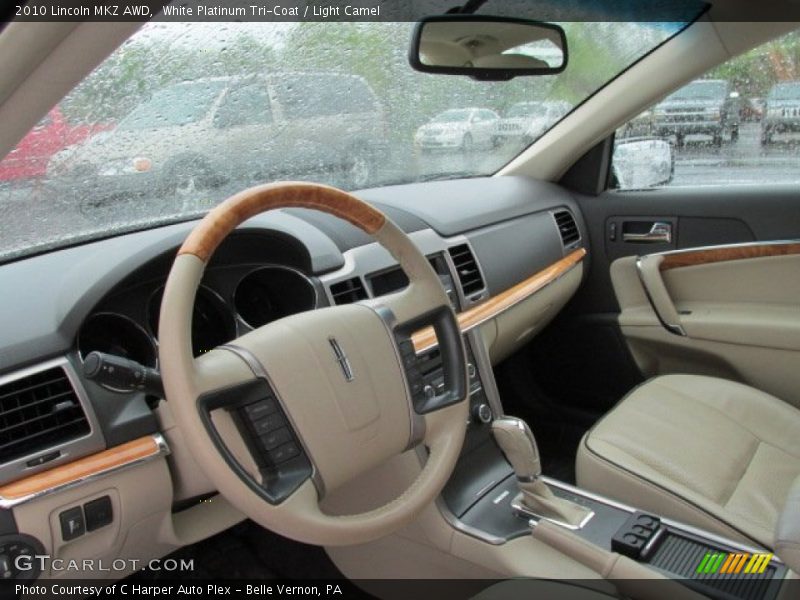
(518, 444)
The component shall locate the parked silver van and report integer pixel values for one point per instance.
(201, 133)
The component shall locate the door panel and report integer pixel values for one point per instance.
(729, 311)
(705, 216)
(587, 333)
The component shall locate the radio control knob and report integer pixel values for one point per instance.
(482, 413)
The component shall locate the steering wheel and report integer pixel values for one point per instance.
(297, 408)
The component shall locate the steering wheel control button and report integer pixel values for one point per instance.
(262, 408)
(73, 524)
(283, 453)
(406, 348)
(268, 423)
(99, 513)
(409, 360)
(273, 439)
(266, 433)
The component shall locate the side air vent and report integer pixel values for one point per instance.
(469, 275)
(37, 412)
(567, 227)
(348, 291)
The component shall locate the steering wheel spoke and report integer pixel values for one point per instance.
(250, 429)
(428, 393)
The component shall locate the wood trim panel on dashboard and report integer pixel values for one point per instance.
(82, 469)
(704, 256)
(472, 317)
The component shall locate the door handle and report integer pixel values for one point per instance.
(660, 233)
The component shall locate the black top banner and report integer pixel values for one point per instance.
(353, 10)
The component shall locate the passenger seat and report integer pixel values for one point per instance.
(705, 451)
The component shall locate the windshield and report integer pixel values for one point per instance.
(527, 110)
(331, 102)
(787, 91)
(701, 90)
(452, 116)
(176, 105)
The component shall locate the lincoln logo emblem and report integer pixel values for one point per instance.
(341, 358)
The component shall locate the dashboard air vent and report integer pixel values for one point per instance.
(348, 291)
(567, 227)
(469, 275)
(37, 412)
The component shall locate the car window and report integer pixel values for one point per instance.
(46, 122)
(306, 97)
(301, 96)
(246, 105)
(737, 124)
(139, 145)
(175, 105)
(452, 116)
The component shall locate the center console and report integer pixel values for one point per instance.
(482, 499)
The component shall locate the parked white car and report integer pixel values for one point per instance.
(527, 121)
(458, 128)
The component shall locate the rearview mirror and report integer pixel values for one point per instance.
(488, 48)
(643, 163)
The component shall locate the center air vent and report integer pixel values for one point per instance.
(37, 412)
(567, 228)
(469, 275)
(348, 291)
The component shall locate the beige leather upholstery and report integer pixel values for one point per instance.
(709, 452)
(787, 533)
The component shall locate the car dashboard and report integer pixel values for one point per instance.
(509, 252)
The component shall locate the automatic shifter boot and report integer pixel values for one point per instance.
(518, 444)
(541, 501)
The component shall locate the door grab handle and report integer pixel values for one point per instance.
(656, 292)
(660, 233)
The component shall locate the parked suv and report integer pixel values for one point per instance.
(781, 111)
(707, 106)
(200, 133)
(51, 135)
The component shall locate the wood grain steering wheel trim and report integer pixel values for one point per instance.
(223, 219)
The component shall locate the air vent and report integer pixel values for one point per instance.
(567, 227)
(469, 275)
(348, 291)
(37, 412)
